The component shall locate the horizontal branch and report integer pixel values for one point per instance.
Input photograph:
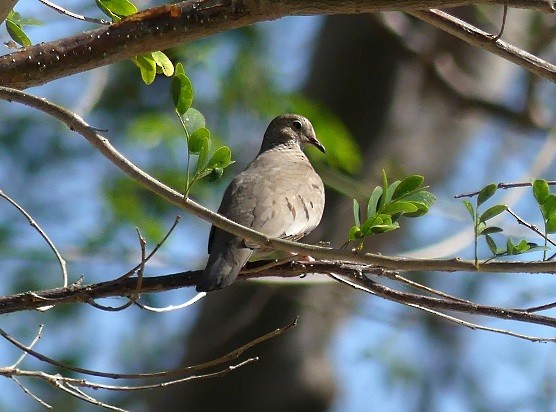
(170, 25)
(128, 287)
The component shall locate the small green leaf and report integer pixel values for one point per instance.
(510, 247)
(408, 185)
(540, 190)
(522, 246)
(179, 69)
(198, 140)
(422, 209)
(163, 63)
(388, 195)
(221, 159)
(120, 8)
(182, 94)
(373, 201)
(491, 244)
(193, 120)
(470, 209)
(492, 212)
(147, 67)
(354, 233)
(356, 213)
(399, 207)
(17, 34)
(486, 193)
(492, 229)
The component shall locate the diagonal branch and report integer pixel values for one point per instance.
(484, 40)
(170, 25)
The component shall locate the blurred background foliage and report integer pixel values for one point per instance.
(382, 91)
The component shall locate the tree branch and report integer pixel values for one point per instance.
(477, 37)
(167, 26)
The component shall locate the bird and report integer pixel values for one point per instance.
(279, 194)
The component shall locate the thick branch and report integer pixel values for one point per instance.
(170, 25)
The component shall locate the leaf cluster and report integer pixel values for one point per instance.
(481, 226)
(198, 136)
(387, 203)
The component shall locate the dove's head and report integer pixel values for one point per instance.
(290, 129)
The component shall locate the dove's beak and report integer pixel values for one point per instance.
(318, 145)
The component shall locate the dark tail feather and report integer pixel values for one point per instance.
(223, 268)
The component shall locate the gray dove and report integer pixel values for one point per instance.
(279, 194)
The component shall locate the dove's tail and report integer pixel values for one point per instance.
(222, 268)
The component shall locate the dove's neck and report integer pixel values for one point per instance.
(290, 145)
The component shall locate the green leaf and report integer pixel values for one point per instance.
(221, 159)
(163, 63)
(548, 207)
(17, 34)
(182, 94)
(408, 185)
(491, 229)
(423, 200)
(120, 8)
(147, 67)
(522, 246)
(107, 11)
(383, 200)
(510, 247)
(540, 190)
(373, 201)
(399, 207)
(354, 233)
(179, 69)
(492, 212)
(470, 209)
(356, 213)
(193, 120)
(198, 140)
(491, 244)
(486, 193)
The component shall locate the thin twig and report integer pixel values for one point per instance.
(176, 372)
(41, 232)
(503, 26)
(68, 13)
(504, 186)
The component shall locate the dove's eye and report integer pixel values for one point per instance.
(296, 124)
